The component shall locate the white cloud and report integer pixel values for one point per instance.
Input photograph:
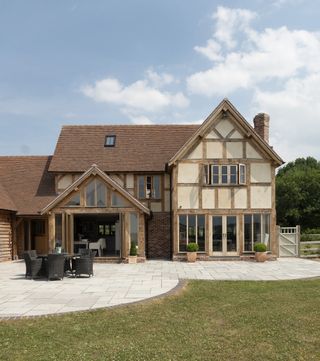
(278, 67)
(229, 22)
(139, 99)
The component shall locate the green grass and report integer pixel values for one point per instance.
(206, 321)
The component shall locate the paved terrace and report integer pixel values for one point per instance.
(116, 284)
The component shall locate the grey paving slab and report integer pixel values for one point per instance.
(116, 284)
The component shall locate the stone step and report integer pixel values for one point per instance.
(107, 260)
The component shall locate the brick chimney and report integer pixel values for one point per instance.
(261, 125)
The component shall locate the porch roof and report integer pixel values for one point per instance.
(94, 170)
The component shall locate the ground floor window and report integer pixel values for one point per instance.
(191, 229)
(256, 229)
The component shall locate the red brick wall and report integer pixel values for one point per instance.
(159, 236)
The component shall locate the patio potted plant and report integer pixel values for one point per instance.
(133, 253)
(192, 249)
(260, 252)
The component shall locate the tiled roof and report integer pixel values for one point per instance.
(27, 182)
(5, 200)
(142, 148)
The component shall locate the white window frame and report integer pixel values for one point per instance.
(209, 175)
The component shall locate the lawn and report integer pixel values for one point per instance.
(207, 320)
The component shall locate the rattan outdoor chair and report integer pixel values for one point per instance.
(84, 265)
(55, 266)
(33, 265)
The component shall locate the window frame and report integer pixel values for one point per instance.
(108, 137)
(224, 174)
(262, 232)
(96, 205)
(196, 227)
(149, 181)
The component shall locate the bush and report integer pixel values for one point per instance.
(260, 247)
(192, 247)
(133, 249)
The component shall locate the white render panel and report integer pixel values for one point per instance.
(167, 201)
(156, 206)
(214, 149)
(240, 198)
(188, 197)
(196, 153)
(224, 198)
(251, 152)
(224, 127)
(234, 150)
(212, 135)
(130, 181)
(261, 197)
(260, 172)
(236, 135)
(188, 173)
(65, 181)
(208, 198)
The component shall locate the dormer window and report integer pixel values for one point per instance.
(110, 141)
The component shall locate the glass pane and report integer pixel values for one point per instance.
(201, 232)
(256, 228)
(101, 194)
(134, 227)
(141, 187)
(58, 228)
(156, 187)
(217, 234)
(182, 233)
(233, 174)
(206, 176)
(248, 232)
(224, 174)
(149, 187)
(266, 229)
(215, 174)
(242, 176)
(231, 234)
(191, 228)
(118, 201)
(90, 190)
(74, 201)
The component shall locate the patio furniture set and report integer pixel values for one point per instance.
(59, 265)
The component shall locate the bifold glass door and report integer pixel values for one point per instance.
(224, 235)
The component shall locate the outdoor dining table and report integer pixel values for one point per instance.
(68, 258)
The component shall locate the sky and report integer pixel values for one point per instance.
(171, 61)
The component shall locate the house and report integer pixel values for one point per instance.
(160, 186)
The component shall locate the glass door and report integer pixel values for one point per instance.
(224, 236)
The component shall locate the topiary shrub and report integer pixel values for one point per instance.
(133, 249)
(192, 247)
(260, 247)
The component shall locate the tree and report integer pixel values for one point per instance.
(298, 193)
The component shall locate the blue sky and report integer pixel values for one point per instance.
(142, 61)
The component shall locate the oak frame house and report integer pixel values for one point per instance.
(160, 186)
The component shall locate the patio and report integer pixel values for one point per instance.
(116, 284)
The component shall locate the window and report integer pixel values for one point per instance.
(191, 229)
(74, 201)
(107, 229)
(134, 228)
(110, 141)
(118, 201)
(96, 194)
(230, 174)
(149, 187)
(256, 229)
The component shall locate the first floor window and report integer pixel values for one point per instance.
(95, 193)
(149, 187)
(191, 229)
(256, 230)
(226, 174)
